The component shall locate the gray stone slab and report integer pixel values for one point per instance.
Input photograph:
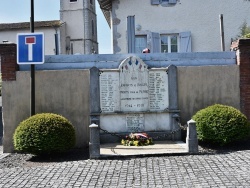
(159, 147)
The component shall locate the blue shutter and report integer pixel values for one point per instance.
(172, 2)
(155, 2)
(185, 42)
(131, 34)
(155, 47)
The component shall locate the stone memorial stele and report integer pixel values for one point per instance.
(134, 98)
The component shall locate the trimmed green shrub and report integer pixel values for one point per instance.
(221, 124)
(44, 133)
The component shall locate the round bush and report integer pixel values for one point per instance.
(44, 133)
(221, 124)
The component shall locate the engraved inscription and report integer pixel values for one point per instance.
(135, 122)
(134, 85)
(134, 88)
(109, 91)
(158, 90)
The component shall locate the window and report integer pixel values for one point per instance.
(91, 2)
(164, 42)
(169, 43)
(72, 1)
(140, 43)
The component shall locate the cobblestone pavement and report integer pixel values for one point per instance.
(214, 170)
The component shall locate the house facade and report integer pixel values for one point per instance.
(168, 26)
(74, 33)
(8, 32)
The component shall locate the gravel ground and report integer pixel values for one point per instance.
(27, 160)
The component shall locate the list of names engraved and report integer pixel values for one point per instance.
(109, 91)
(135, 122)
(158, 90)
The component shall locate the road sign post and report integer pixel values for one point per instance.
(30, 50)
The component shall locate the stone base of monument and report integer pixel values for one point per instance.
(157, 136)
(160, 147)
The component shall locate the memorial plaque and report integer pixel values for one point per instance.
(134, 88)
(158, 90)
(109, 91)
(133, 85)
(135, 122)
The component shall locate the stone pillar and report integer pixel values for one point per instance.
(8, 62)
(173, 87)
(191, 140)
(173, 101)
(243, 60)
(95, 107)
(94, 144)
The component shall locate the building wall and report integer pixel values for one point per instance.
(199, 17)
(49, 33)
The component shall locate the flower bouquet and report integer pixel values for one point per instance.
(137, 139)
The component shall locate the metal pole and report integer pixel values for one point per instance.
(56, 44)
(222, 33)
(32, 66)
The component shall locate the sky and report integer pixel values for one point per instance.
(12, 11)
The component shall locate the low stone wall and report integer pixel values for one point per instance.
(202, 86)
(61, 92)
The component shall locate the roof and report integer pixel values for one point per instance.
(106, 6)
(24, 25)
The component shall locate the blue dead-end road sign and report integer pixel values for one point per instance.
(30, 48)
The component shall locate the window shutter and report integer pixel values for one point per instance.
(155, 43)
(155, 2)
(131, 34)
(185, 42)
(172, 2)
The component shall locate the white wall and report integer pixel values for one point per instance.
(49, 34)
(199, 17)
(78, 18)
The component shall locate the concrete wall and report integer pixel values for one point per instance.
(202, 86)
(201, 18)
(64, 92)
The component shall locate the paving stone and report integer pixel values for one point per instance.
(218, 170)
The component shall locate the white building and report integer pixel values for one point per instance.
(9, 31)
(174, 25)
(74, 33)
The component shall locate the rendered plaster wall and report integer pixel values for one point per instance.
(202, 86)
(64, 92)
(201, 18)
